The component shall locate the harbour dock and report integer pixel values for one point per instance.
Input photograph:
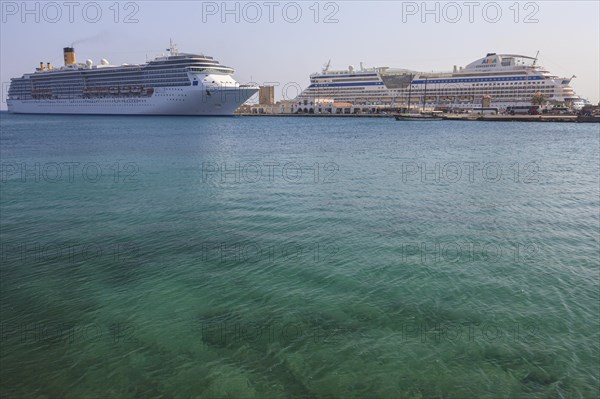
(510, 118)
(449, 117)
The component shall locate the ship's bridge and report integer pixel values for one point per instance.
(196, 63)
(494, 61)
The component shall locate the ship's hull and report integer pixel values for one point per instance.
(191, 100)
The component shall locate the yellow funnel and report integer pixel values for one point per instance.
(69, 53)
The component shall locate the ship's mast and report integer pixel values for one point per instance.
(409, 93)
(425, 93)
(172, 48)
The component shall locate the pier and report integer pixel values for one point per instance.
(451, 117)
(510, 118)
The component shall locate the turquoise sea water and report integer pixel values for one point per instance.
(298, 257)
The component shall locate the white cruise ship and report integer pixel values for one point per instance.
(175, 84)
(507, 79)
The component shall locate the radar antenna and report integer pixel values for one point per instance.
(172, 48)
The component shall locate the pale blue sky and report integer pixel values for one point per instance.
(376, 33)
